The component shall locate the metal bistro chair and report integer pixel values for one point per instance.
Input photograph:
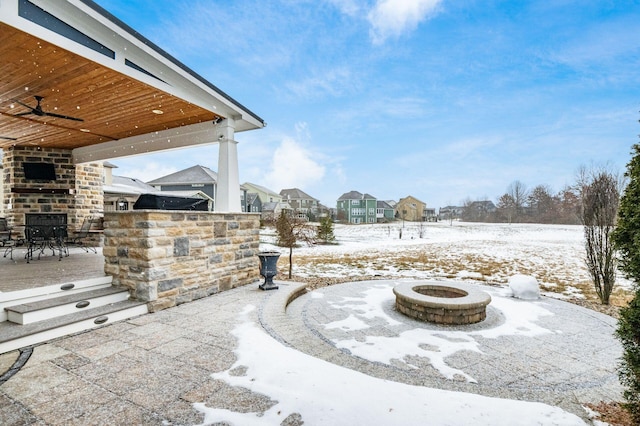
(6, 242)
(42, 237)
(35, 240)
(81, 236)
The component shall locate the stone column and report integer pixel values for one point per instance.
(228, 191)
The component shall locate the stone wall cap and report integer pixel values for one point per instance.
(473, 298)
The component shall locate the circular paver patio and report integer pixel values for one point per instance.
(546, 350)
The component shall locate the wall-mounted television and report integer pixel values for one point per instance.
(39, 171)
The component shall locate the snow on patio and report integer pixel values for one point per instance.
(327, 394)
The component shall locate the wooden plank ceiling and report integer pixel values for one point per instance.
(111, 105)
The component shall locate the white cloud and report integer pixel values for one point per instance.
(293, 166)
(141, 168)
(392, 18)
(334, 82)
(348, 7)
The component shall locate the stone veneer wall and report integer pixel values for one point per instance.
(166, 258)
(89, 195)
(77, 190)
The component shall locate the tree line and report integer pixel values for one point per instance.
(522, 205)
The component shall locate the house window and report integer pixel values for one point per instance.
(371, 211)
(355, 202)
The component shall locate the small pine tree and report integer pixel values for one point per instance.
(626, 238)
(325, 231)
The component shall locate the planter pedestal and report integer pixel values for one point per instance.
(268, 269)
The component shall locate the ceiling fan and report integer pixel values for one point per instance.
(37, 110)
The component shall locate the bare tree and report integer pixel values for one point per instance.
(290, 230)
(600, 196)
(506, 207)
(518, 192)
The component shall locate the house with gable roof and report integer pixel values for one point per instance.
(355, 207)
(252, 202)
(384, 212)
(266, 195)
(198, 178)
(303, 204)
(121, 192)
(410, 208)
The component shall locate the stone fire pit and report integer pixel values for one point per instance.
(442, 302)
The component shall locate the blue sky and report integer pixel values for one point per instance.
(442, 100)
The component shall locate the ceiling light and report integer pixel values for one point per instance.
(85, 130)
(157, 111)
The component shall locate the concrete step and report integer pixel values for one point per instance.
(46, 309)
(15, 336)
(42, 293)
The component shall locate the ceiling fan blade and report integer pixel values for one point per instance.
(66, 117)
(37, 110)
(23, 104)
(8, 138)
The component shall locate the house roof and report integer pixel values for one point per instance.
(269, 207)
(296, 194)
(192, 193)
(127, 185)
(103, 80)
(411, 197)
(261, 189)
(355, 195)
(194, 174)
(383, 205)
(252, 197)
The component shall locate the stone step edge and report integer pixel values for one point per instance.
(39, 292)
(28, 307)
(10, 331)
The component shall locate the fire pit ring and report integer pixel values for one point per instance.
(442, 302)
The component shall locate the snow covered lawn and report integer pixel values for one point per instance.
(480, 252)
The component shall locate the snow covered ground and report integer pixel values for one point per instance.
(484, 253)
(326, 394)
(481, 252)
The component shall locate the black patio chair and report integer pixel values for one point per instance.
(6, 242)
(81, 237)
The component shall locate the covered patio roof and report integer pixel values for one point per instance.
(73, 76)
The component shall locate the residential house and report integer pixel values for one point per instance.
(355, 207)
(450, 212)
(303, 204)
(429, 215)
(271, 210)
(253, 204)
(384, 212)
(478, 210)
(199, 178)
(410, 209)
(266, 195)
(121, 193)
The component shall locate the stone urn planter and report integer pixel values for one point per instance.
(268, 269)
